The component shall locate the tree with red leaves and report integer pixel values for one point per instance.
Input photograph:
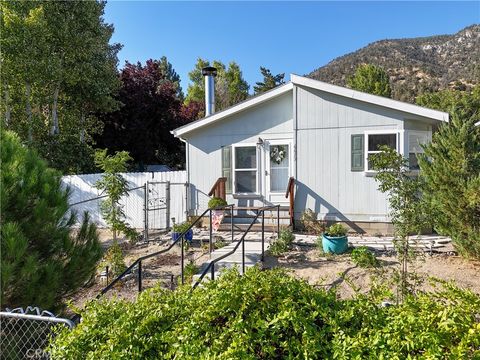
(151, 107)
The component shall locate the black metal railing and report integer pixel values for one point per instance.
(211, 265)
(180, 238)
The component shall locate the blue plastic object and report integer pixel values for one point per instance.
(188, 235)
(334, 244)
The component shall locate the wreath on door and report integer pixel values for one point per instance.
(278, 153)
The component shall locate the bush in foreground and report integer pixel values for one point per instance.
(271, 315)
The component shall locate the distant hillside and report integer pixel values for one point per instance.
(415, 65)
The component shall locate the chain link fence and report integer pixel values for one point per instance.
(25, 333)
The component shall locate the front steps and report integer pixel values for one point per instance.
(253, 255)
(243, 217)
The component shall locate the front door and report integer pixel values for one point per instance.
(278, 169)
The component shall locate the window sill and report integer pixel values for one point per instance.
(247, 196)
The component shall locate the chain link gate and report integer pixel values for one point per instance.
(157, 208)
(25, 334)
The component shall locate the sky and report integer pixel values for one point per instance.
(286, 37)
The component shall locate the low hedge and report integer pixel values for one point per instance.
(271, 315)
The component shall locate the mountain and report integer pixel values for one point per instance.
(415, 65)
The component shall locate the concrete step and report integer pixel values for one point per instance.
(253, 255)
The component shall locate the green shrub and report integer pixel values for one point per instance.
(364, 258)
(113, 258)
(190, 270)
(283, 243)
(181, 227)
(271, 315)
(42, 257)
(337, 230)
(216, 202)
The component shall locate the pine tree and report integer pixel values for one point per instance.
(450, 167)
(370, 79)
(42, 258)
(269, 81)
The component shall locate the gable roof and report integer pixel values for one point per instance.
(314, 84)
(282, 89)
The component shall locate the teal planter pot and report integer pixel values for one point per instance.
(334, 244)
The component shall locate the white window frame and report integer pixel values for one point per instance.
(234, 169)
(275, 142)
(399, 145)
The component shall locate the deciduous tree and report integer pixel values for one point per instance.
(230, 87)
(371, 79)
(151, 108)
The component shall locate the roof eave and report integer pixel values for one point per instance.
(369, 98)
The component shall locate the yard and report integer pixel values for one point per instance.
(436, 258)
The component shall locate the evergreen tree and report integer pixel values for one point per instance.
(42, 258)
(370, 79)
(169, 74)
(269, 81)
(450, 167)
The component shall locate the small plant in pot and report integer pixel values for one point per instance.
(178, 229)
(335, 239)
(217, 215)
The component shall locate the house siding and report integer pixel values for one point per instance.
(325, 182)
(272, 119)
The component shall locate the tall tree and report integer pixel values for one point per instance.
(170, 75)
(230, 87)
(150, 109)
(42, 258)
(59, 69)
(269, 81)
(371, 79)
(450, 167)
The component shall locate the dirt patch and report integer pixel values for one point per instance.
(160, 270)
(340, 272)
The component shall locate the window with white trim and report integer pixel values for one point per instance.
(245, 169)
(415, 141)
(375, 140)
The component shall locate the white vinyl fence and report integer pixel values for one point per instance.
(165, 198)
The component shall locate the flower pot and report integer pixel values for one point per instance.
(334, 244)
(188, 235)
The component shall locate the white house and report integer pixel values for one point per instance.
(320, 134)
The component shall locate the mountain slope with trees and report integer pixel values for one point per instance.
(415, 65)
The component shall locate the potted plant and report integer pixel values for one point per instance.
(335, 239)
(178, 229)
(217, 215)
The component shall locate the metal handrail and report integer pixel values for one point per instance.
(211, 264)
(140, 259)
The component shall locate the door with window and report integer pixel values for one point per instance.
(278, 169)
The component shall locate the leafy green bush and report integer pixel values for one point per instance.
(113, 258)
(271, 315)
(364, 258)
(216, 202)
(337, 230)
(42, 257)
(190, 270)
(283, 243)
(181, 227)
